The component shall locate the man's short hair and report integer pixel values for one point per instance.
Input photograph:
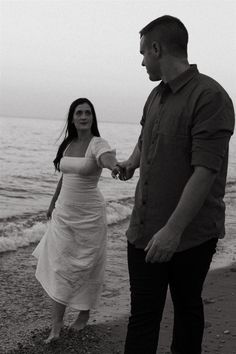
(170, 32)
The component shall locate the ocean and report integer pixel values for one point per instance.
(28, 181)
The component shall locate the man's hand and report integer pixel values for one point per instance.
(163, 244)
(124, 170)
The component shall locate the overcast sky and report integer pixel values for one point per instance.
(53, 52)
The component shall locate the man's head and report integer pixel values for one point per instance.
(165, 36)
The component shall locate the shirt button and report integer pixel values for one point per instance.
(144, 202)
(141, 222)
(146, 183)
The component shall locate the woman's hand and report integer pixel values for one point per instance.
(49, 212)
(124, 170)
(115, 173)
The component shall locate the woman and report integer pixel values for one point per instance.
(71, 255)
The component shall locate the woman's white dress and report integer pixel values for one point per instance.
(72, 253)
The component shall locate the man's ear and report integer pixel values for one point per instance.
(156, 48)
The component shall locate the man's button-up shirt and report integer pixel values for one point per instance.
(186, 122)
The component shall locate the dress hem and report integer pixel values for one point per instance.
(76, 307)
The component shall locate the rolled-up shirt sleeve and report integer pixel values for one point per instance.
(212, 128)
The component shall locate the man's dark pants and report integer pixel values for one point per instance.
(185, 274)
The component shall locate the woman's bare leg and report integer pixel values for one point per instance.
(58, 311)
(81, 320)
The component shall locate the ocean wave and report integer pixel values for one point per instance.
(16, 193)
(117, 211)
(31, 178)
(231, 183)
(16, 190)
(25, 219)
(21, 231)
(22, 238)
(14, 196)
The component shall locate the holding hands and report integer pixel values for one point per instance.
(123, 170)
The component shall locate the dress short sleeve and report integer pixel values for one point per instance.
(99, 147)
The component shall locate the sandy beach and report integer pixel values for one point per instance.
(25, 308)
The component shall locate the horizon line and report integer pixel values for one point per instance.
(61, 119)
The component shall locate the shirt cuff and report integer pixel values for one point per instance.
(207, 159)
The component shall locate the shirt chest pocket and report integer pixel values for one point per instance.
(174, 125)
(172, 132)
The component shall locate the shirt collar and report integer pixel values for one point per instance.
(161, 87)
(181, 80)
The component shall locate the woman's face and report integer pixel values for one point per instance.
(83, 117)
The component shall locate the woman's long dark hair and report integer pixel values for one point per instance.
(71, 131)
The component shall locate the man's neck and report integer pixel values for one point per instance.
(173, 67)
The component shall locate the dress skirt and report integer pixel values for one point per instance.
(72, 253)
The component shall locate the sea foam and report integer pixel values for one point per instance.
(17, 234)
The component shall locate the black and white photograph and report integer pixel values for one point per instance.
(117, 177)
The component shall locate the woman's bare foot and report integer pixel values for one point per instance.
(81, 321)
(54, 334)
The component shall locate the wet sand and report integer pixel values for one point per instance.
(25, 308)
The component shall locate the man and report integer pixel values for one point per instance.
(179, 213)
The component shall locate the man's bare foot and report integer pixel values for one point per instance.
(54, 334)
(81, 321)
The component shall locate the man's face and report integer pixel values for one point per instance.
(150, 59)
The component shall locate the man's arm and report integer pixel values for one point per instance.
(213, 124)
(126, 169)
(165, 242)
(134, 160)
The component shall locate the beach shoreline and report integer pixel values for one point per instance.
(25, 308)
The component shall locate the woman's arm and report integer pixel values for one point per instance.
(54, 199)
(108, 160)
